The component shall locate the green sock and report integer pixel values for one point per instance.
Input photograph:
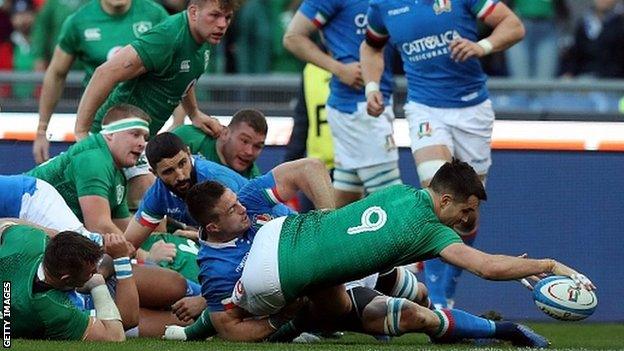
(201, 329)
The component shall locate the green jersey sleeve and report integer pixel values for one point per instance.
(155, 48)
(69, 39)
(192, 136)
(62, 320)
(90, 179)
(436, 237)
(121, 211)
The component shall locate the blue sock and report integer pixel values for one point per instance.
(192, 288)
(457, 324)
(434, 276)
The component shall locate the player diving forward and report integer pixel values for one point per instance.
(313, 254)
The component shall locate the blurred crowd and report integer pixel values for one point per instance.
(564, 38)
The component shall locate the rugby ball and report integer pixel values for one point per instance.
(560, 298)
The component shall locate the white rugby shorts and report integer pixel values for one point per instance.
(467, 131)
(361, 140)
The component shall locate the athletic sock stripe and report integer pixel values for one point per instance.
(444, 324)
(383, 173)
(451, 322)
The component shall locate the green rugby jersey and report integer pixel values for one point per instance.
(86, 168)
(92, 36)
(202, 144)
(41, 315)
(389, 228)
(185, 261)
(174, 61)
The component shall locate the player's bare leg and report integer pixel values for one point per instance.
(344, 198)
(158, 287)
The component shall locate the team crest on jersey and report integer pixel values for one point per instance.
(93, 34)
(141, 27)
(185, 66)
(119, 192)
(440, 6)
(424, 129)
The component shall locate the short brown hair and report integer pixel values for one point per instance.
(121, 111)
(69, 252)
(233, 5)
(201, 200)
(458, 179)
(254, 118)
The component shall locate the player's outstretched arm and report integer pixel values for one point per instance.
(502, 267)
(53, 83)
(124, 65)
(308, 175)
(233, 325)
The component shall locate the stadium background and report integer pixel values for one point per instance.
(555, 199)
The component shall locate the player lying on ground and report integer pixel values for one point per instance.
(312, 254)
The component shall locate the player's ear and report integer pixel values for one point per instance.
(192, 12)
(212, 227)
(445, 200)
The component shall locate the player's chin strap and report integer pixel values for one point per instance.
(125, 124)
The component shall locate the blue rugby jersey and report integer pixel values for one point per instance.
(343, 24)
(13, 188)
(221, 264)
(159, 201)
(421, 31)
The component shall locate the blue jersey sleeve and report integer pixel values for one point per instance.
(482, 8)
(208, 170)
(319, 11)
(376, 32)
(260, 194)
(150, 212)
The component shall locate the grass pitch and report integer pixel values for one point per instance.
(563, 336)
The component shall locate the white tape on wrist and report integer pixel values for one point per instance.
(486, 45)
(105, 308)
(370, 88)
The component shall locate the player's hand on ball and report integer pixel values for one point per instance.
(464, 49)
(375, 104)
(581, 280)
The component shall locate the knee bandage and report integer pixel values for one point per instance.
(427, 169)
(392, 321)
